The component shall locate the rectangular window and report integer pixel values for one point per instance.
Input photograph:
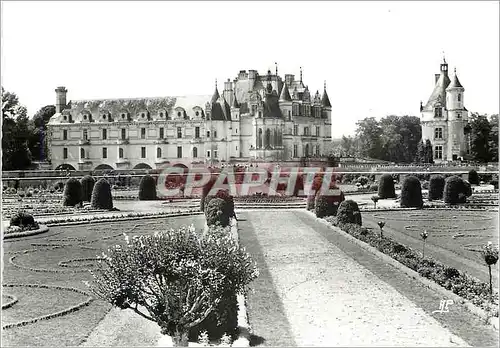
(124, 134)
(162, 133)
(104, 152)
(438, 112)
(65, 134)
(295, 151)
(179, 151)
(317, 150)
(85, 134)
(104, 134)
(438, 152)
(208, 134)
(438, 133)
(215, 134)
(208, 153)
(306, 130)
(196, 132)
(459, 115)
(295, 130)
(179, 133)
(143, 133)
(459, 96)
(120, 152)
(317, 131)
(143, 152)
(215, 153)
(65, 153)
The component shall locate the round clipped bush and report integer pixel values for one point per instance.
(101, 195)
(147, 188)
(386, 187)
(348, 212)
(411, 193)
(327, 205)
(72, 194)
(436, 187)
(87, 186)
(473, 177)
(456, 190)
(217, 212)
(22, 219)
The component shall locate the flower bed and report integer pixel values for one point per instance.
(451, 279)
(268, 199)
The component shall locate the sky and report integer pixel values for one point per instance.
(378, 58)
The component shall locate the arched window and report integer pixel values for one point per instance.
(259, 139)
(158, 152)
(195, 152)
(82, 153)
(268, 138)
(306, 152)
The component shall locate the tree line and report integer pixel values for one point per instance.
(23, 138)
(399, 139)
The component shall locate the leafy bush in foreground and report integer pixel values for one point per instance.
(327, 205)
(23, 220)
(217, 212)
(348, 212)
(177, 277)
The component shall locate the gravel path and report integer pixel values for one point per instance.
(329, 299)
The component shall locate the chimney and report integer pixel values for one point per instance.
(60, 99)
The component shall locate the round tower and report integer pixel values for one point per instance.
(457, 119)
(60, 99)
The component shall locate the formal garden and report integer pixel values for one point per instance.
(75, 250)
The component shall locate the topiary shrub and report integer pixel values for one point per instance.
(456, 190)
(217, 212)
(494, 183)
(87, 183)
(72, 194)
(348, 212)
(386, 187)
(147, 188)
(101, 195)
(59, 186)
(436, 187)
(473, 177)
(411, 193)
(374, 187)
(327, 205)
(22, 219)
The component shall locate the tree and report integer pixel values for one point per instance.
(38, 144)
(480, 136)
(493, 138)
(347, 146)
(16, 132)
(369, 134)
(400, 138)
(428, 154)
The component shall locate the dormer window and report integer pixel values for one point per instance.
(197, 113)
(142, 115)
(438, 112)
(459, 115)
(123, 115)
(84, 117)
(104, 117)
(65, 118)
(179, 114)
(161, 114)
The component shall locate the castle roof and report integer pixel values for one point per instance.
(439, 92)
(285, 94)
(455, 83)
(216, 95)
(325, 101)
(235, 101)
(221, 111)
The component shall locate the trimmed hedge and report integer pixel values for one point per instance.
(436, 187)
(327, 205)
(87, 186)
(147, 188)
(72, 193)
(22, 219)
(386, 187)
(411, 193)
(101, 195)
(217, 212)
(456, 190)
(473, 177)
(348, 212)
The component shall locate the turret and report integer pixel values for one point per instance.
(252, 75)
(216, 94)
(327, 106)
(60, 99)
(455, 94)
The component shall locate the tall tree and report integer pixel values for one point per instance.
(347, 146)
(428, 153)
(480, 136)
(38, 142)
(16, 132)
(369, 134)
(493, 138)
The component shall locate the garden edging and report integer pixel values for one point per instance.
(493, 321)
(41, 229)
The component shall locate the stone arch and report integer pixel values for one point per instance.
(65, 166)
(103, 167)
(142, 166)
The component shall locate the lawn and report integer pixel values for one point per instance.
(61, 259)
(455, 237)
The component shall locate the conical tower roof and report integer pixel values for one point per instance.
(216, 95)
(325, 101)
(455, 83)
(285, 94)
(235, 102)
